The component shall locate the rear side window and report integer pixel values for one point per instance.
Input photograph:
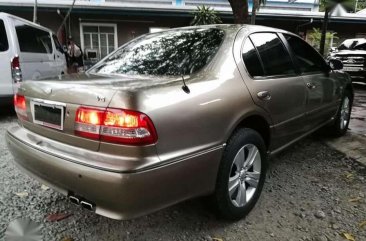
(251, 59)
(308, 59)
(33, 40)
(275, 58)
(4, 45)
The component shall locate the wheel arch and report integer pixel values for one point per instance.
(258, 123)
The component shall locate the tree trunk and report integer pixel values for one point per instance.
(254, 12)
(324, 31)
(240, 10)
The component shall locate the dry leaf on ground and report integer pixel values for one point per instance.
(349, 236)
(22, 194)
(362, 224)
(55, 217)
(353, 200)
(44, 187)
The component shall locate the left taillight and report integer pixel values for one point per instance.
(20, 106)
(125, 127)
(16, 71)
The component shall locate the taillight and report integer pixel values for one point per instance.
(115, 125)
(16, 72)
(20, 106)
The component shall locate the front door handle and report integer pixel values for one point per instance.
(264, 95)
(310, 85)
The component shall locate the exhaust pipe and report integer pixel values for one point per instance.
(87, 205)
(74, 200)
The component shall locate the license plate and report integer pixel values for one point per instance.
(352, 69)
(48, 114)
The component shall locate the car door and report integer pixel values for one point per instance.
(6, 83)
(322, 86)
(274, 85)
(59, 57)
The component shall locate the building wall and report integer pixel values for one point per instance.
(131, 26)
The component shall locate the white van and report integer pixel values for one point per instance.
(27, 52)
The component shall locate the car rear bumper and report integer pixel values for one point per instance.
(117, 195)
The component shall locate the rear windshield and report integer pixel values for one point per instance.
(4, 45)
(33, 40)
(175, 52)
(353, 44)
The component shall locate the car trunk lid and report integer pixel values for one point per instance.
(52, 105)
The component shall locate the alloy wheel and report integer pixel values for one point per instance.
(345, 113)
(244, 175)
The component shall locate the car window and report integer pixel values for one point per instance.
(251, 59)
(33, 40)
(351, 44)
(308, 59)
(173, 52)
(275, 58)
(4, 45)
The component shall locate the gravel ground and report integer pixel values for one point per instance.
(312, 193)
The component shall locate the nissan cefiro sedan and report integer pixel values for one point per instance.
(175, 115)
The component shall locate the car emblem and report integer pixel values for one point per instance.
(100, 98)
(47, 91)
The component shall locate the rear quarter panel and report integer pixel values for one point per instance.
(206, 117)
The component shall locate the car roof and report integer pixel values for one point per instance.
(3, 14)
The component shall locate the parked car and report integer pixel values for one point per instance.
(27, 51)
(352, 53)
(178, 114)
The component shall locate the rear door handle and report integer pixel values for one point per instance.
(264, 95)
(310, 85)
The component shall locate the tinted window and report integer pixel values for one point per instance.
(33, 40)
(351, 44)
(275, 58)
(3, 38)
(251, 59)
(166, 53)
(308, 59)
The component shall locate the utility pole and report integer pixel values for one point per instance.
(35, 12)
(67, 15)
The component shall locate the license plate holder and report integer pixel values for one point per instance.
(48, 114)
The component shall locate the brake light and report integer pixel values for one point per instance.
(20, 106)
(115, 125)
(88, 122)
(16, 72)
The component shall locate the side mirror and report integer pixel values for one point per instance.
(335, 64)
(333, 49)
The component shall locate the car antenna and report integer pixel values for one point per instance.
(185, 87)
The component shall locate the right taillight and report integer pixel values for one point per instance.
(115, 125)
(16, 72)
(20, 106)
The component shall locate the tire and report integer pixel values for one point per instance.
(243, 143)
(340, 125)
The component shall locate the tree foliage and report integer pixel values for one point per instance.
(315, 37)
(205, 15)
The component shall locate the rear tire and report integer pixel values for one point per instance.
(241, 174)
(340, 125)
